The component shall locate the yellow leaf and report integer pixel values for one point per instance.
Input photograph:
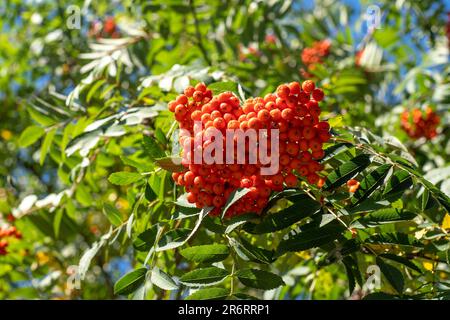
(303, 254)
(446, 222)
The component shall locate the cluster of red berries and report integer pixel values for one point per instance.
(7, 232)
(293, 110)
(315, 54)
(107, 29)
(419, 124)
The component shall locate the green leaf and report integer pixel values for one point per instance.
(383, 216)
(178, 237)
(303, 207)
(145, 240)
(114, 216)
(392, 274)
(259, 279)
(152, 148)
(401, 260)
(124, 178)
(347, 171)
(209, 294)
(46, 145)
(57, 222)
(399, 182)
(235, 196)
(310, 238)
(342, 249)
(394, 239)
(254, 253)
(162, 280)
(370, 182)
(244, 296)
(206, 253)
(204, 277)
(30, 136)
(239, 220)
(380, 296)
(219, 87)
(130, 282)
(424, 199)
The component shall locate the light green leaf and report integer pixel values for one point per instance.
(30, 136)
(130, 282)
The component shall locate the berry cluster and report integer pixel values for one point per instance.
(419, 124)
(293, 110)
(7, 232)
(313, 55)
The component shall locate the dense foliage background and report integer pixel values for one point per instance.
(84, 121)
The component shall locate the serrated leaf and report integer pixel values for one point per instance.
(130, 282)
(383, 216)
(204, 277)
(114, 216)
(400, 181)
(394, 239)
(123, 178)
(206, 253)
(259, 279)
(310, 238)
(370, 182)
(392, 274)
(145, 240)
(209, 294)
(162, 280)
(303, 207)
(401, 260)
(347, 171)
(30, 136)
(254, 253)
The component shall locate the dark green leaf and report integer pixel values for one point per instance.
(259, 279)
(401, 260)
(145, 240)
(370, 182)
(303, 207)
(204, 277)
(392, 274)
(313, 237)
(399, 182)
(382, 216)
(347, 171)
(255, 253)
